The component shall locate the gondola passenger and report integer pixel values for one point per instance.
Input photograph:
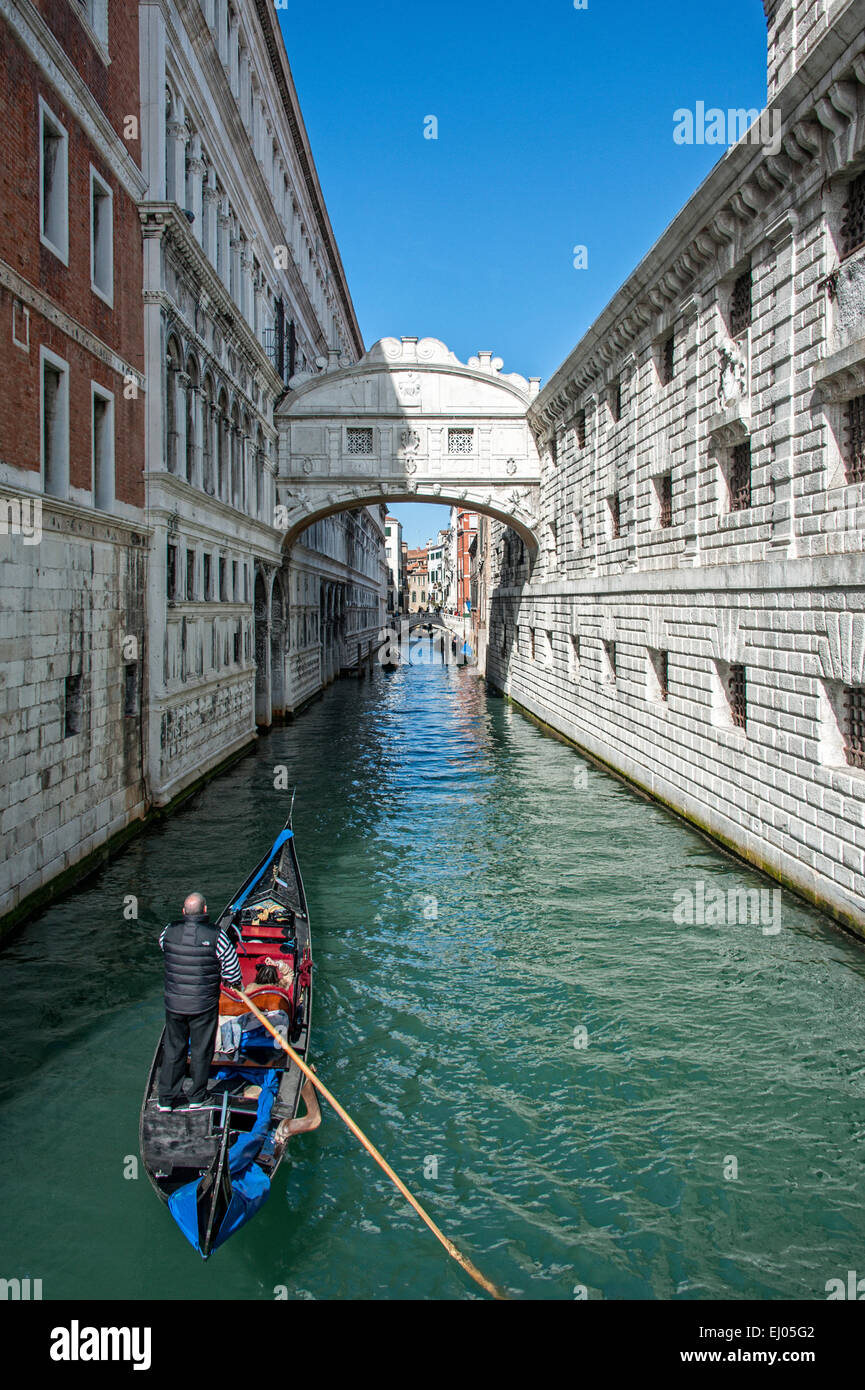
(197, 958)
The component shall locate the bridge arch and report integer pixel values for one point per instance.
(409, 422)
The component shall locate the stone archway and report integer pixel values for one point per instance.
(410, 423)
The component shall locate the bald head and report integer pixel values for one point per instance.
(194, 905)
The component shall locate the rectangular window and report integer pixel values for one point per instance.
(171, 572)
(55, 424)
(853, 226)
(659, 675)
(235, 592)
(616, 400)
(575, 656)
(102, 434)
(740, 477)
(101, 238)
(223, 581)
(130, 690)
(665, 500)
(238, 641)
(579, 533)
(532, 643)
(190, 574)
(359, 441)
(854, 440)
(737, 694)
(53, 184)
(72, 706)
(740, 305)
(611, 660)
(668, 360)
(461, 441)
(854, 725)
(207, 593)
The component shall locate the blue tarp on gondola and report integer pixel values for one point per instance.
(278, 844)
(250, 1186)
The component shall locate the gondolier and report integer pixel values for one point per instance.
(197, 957)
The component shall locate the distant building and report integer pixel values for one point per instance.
(394, 558)
(465, 528)
(418, 579)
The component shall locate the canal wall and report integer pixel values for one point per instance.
(695, 615)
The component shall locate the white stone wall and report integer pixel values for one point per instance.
(78, 599)
(777, 587)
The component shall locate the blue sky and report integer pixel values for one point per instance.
(555, 130)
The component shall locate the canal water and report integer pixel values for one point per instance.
(586, 1093)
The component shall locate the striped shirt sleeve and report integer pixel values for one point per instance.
(229, 965)
(162, 939)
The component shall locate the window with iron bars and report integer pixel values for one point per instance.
(668, 360)
(580, 427)
(665, 501)
(854, 722)
(615, 508)
(853, 226)
(854, 440)
(616, 401)
(663, 669)
(740, 305)
(737, 693)
(740, 478)
(359, 441)
(612, 667)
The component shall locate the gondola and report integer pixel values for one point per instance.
(214, 1166)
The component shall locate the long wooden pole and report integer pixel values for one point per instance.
(452, 1250)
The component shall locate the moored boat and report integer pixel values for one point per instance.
(213, 1166)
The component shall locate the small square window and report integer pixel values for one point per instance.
(461, 441)
(359, 441)
(854, 725)
(853, 226)
(737, 694)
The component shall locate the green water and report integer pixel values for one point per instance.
(475, 900)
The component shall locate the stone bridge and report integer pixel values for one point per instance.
(409, 422)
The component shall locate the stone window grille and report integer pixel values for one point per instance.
(853, 226)
(668, 360)
(359, 441)
(737, 691)
(854, 440)
(662, 666)
(740, 478)
(615, 509)
(580, 427)
(665, 501)
(740, 305)
(461, 441)
(854, 720)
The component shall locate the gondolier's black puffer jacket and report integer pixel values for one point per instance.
(192, 970)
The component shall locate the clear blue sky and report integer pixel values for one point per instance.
(555, 129)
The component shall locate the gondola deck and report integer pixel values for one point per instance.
(210, 1162)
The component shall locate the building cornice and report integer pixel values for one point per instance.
(44, 48)
(818, 108)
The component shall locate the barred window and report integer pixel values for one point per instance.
(662, 667)
(171, 572)
(616, 400)
(737, 692)
(853, 226)
(740, 477)
(461, 441)
(359, 441)
(854, 440)
(854, 721)
(668, 360)
(665, 501)
(615, 510)
(580, 427)
(740, 305)
(612, 667)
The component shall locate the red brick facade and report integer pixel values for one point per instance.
(117, 327)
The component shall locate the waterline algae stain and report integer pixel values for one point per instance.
(593, 1094)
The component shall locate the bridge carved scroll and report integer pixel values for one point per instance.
(409, 422)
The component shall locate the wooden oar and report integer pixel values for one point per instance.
(380, 1160)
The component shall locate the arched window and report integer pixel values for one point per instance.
(172, 417)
